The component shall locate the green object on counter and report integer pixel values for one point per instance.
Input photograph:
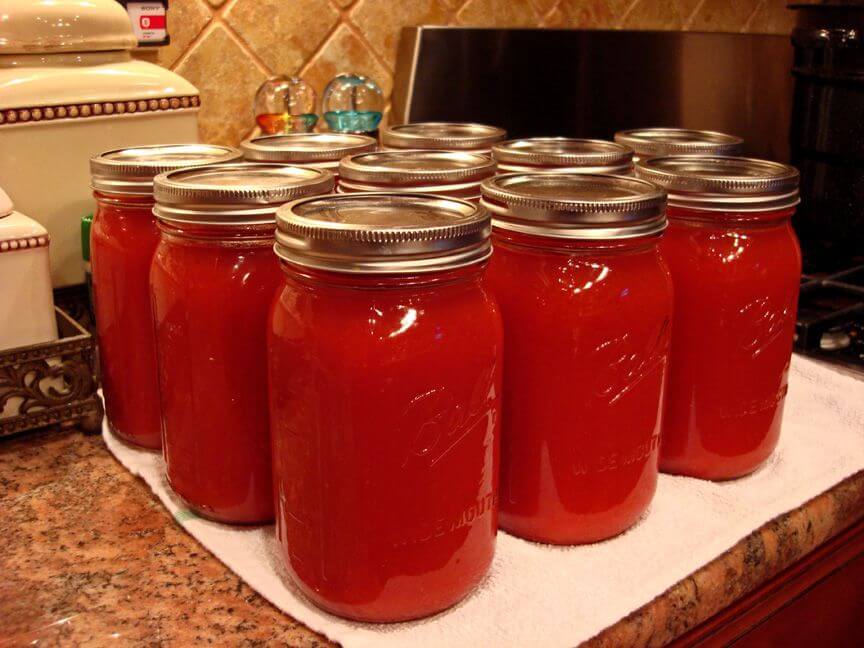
(86, 222)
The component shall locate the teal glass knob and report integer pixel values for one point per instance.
(352, 103)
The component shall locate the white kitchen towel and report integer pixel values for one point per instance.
(538, 595)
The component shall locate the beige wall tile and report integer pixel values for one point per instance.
(723, 15)
(186, 19)
(772, 17)
(380, 21)
(594, 14)
(344, 52)
(687, 8)
(227, 79)
(543, 7)
(555, 19)
(497, 13)
(653, 14)
(282, 33)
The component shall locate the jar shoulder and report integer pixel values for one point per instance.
(405, 320)
(733, 252)
(584, 282)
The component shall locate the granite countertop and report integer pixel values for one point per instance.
(90, 556)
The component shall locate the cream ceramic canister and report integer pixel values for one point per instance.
(70, 89)
(26, 300)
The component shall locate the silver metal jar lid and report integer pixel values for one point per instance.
(409, 167)
(565, 152)
(234, 194)
(720, 183)
(442, 135)
(130, 171)
(306, 147)
(675, 141)
(382, 233)
(575, 205)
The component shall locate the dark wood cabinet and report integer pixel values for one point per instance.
(819, 601)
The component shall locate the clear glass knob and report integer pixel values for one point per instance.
(285, 105)
(352, 103)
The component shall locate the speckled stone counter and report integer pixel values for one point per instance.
(90, 557)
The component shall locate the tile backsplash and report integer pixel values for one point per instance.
(228, 47)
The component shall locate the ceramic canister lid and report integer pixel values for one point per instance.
(53, 26)
(5, 204)
(17, 231)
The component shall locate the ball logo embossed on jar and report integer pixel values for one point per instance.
(625, 363)
(761, 322)
(441, 423)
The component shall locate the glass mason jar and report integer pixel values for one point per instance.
(122, 240)
(562, 155)
(212, 279)
(446, 173)
(442, 136)
(736, 267)
(586, 301)
(652, 142)
(385, 387)
(317, 150)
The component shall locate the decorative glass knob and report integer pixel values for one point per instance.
(285, 105)
(352, 103)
